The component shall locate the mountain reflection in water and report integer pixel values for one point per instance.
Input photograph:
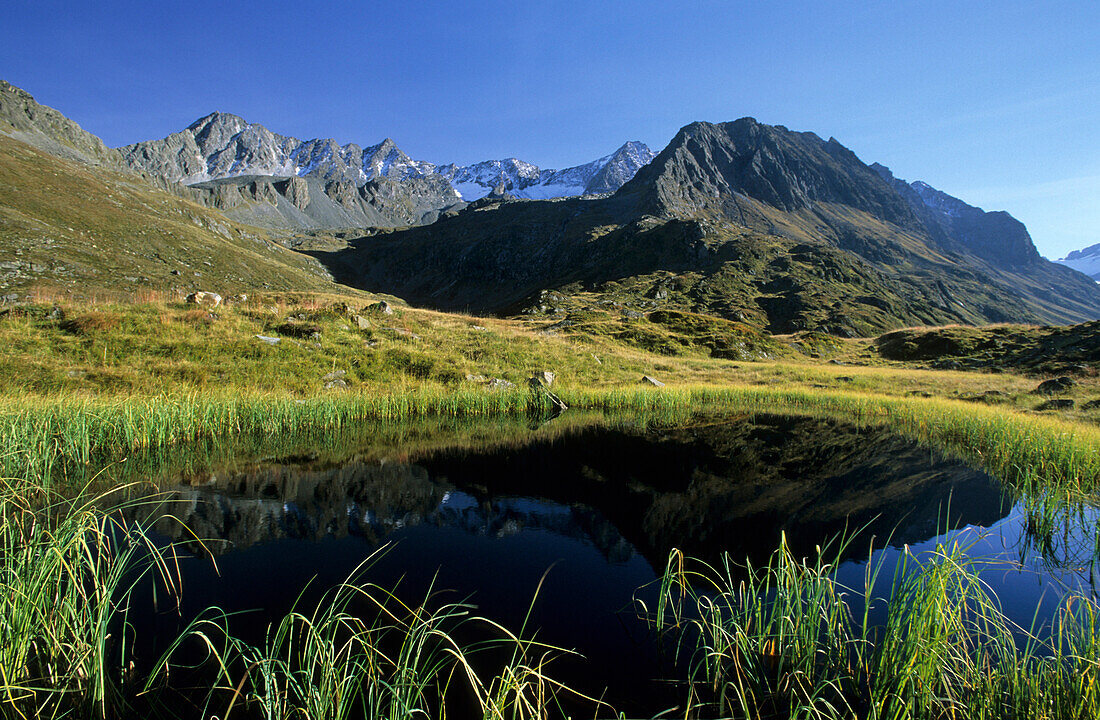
(707, 487)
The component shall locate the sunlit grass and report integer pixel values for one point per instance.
(786, 640)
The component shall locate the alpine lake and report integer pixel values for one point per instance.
(560, 530)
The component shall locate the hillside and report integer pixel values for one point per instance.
(72, 228)
(47, 129)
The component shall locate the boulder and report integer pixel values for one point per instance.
(1057, 404)
(295, 328)
(1056, 385)
(542, 378)
(202, 297)
(268, 340)
(361, 322)
(381, 307)
(335, 380)
(500, 384)
(647, 380)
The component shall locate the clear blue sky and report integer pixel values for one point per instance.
(995, 102)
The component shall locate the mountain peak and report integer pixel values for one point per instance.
(217, 118)
(722, 168)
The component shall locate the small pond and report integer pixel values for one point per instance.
(594, 505)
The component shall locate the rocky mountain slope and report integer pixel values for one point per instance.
(756, 223)
(778, 230)
(1086, 261)
(46, 129)
(227, 159)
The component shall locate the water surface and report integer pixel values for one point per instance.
(590, 508)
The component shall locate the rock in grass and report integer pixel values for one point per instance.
(335, 380)
(647, 380)
(1055, 386)
(499, 384)
(381, 307)
(361, 322)
(293, 328)
(202, 297)
(1057, 404)
(268, 340)
(1091, 405)
(541, 378)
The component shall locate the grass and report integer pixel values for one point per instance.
(68, 573)
(47, 435)
(85, 232)
(789, 642)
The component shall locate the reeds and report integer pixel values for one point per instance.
(47, 438)
(68, 573)
(783, 642)
(362, 652)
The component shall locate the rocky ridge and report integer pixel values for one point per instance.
(22, 118)
(226, 158)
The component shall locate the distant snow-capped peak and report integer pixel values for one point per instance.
(1086, 261)
(525, 180)
(222, 145)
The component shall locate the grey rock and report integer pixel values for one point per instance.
(542, 378)
(647, 380)
(381, 308)
(203, 297)
(1056, 385)
(500, 384)
(268, 340)
(360, 322)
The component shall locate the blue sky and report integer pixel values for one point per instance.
(997, 103)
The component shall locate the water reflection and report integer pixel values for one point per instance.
(595, 504)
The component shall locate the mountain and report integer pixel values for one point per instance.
(222, 145)
(46, 129)
(73, 221)
(1086, 261)
(743, 220)
(524, 180)
(225, 157)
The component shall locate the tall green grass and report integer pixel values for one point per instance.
(68, 573)
(362, 652)
(783, 642)
(46, 438)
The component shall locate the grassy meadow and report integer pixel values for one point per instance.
(89, 382)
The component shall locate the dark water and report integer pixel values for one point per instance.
(595, 509)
